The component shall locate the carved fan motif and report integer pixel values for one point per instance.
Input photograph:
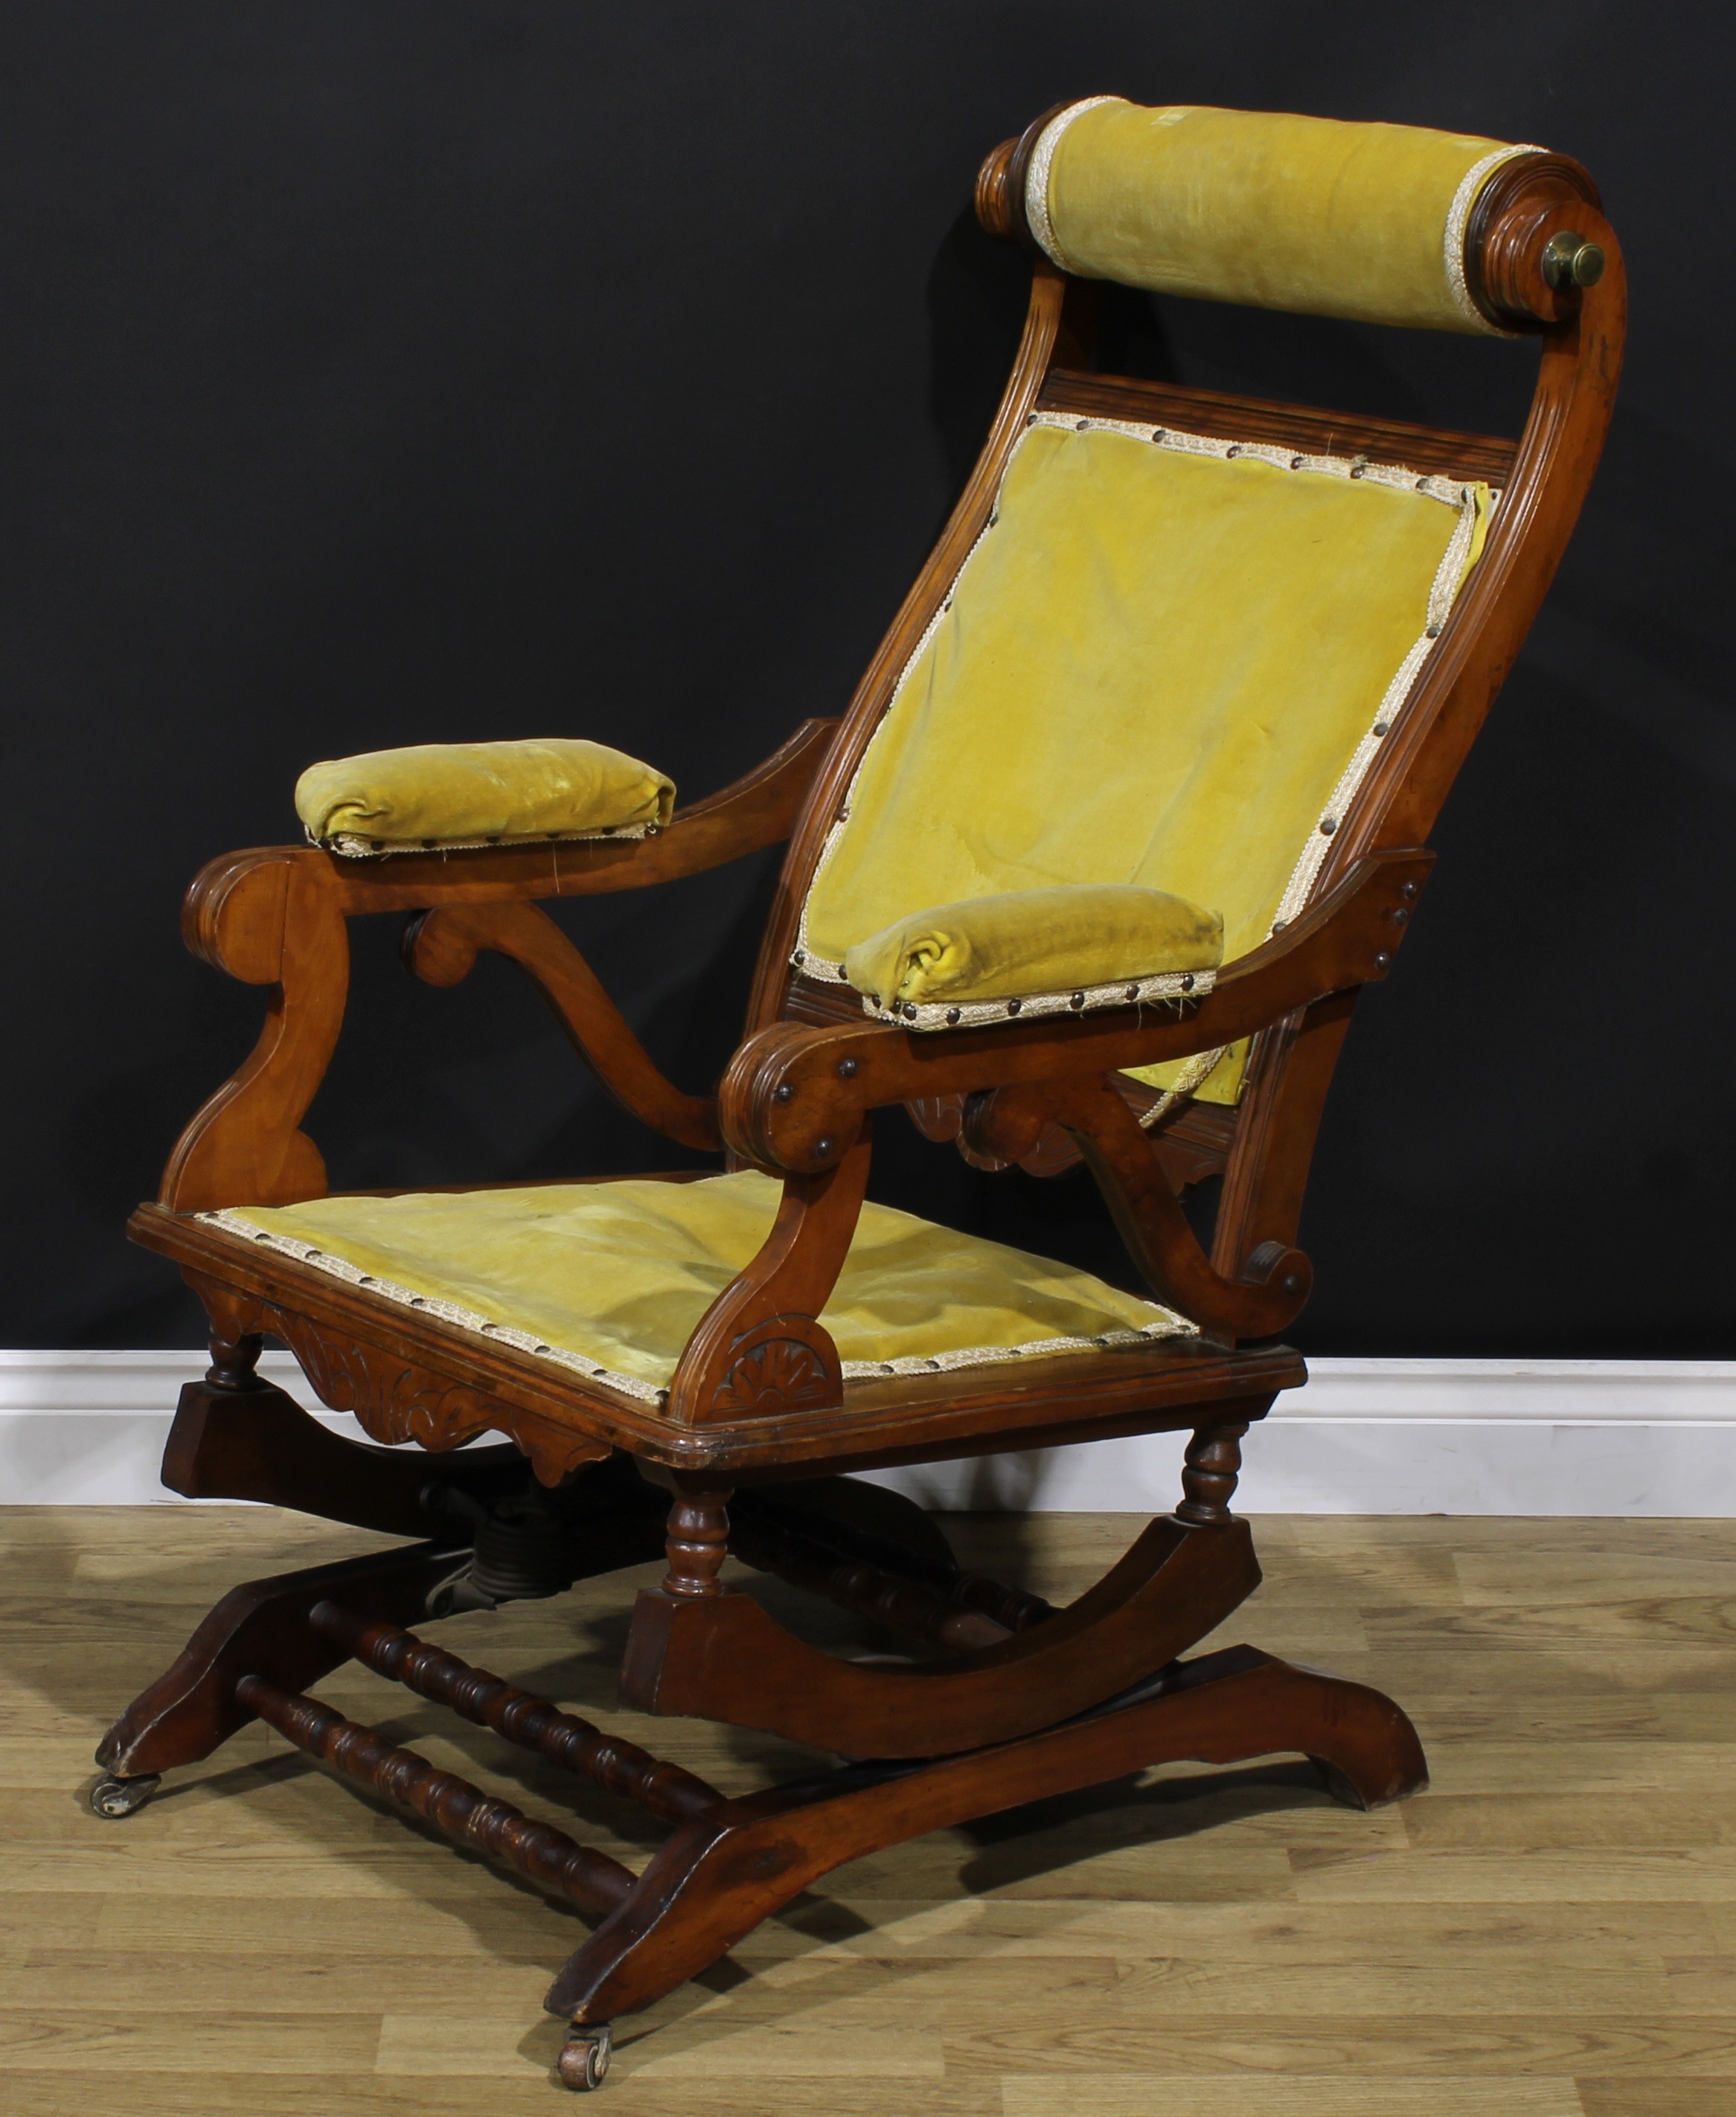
(779, 1374)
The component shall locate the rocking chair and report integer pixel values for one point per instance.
(1131, 803)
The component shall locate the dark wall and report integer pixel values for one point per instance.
(454, 368)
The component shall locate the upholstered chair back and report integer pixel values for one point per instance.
(1171, 658)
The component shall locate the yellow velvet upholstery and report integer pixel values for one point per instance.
(1165, 663)
(610, 1278)
(1281, 212)
(1077, 946)
(479, 793)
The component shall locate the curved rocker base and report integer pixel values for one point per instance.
(1052, 1701)
(724, 1658)
(717, 1878)
(729, 1863)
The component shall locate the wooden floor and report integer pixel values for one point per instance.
(1551, 1932)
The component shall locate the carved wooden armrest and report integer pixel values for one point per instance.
(794, 1096)
(759, 810)
(275, 916)
(798, 1099)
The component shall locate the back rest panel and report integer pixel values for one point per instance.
(1164, 662)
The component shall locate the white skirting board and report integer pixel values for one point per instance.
(1364, 1437)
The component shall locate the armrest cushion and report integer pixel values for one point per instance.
(452, 794)
(1067, 949)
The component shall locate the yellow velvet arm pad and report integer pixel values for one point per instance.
(479, 793)
(1075, 947)
(1259, 206)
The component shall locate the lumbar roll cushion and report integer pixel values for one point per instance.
(1076, 945)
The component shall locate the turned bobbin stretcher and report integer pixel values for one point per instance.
(1132, 802)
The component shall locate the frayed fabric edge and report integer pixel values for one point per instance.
(346, 844)
(1166, 988)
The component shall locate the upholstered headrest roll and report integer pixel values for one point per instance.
(1365, 221)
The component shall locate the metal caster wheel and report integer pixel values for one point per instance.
(584, 2063)
(111, 1797)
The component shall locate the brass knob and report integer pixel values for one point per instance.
(1569, 260)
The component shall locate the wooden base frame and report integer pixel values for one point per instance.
(1017, 1702)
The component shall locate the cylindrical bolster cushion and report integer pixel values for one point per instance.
(479, 793)
(1365, 221)
(1078, 944)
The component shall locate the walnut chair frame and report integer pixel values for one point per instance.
(750, 1452)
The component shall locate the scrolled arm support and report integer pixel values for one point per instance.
(441, 948)
(1272, 1288)
(269, 918)
(760, 1349)
(275, 916)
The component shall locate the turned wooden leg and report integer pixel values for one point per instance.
(234, 1360)
(1209, 1473)
(698, 1541)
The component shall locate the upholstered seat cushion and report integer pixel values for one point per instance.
(1037, 952)
(610, 1278)
(457, 794)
